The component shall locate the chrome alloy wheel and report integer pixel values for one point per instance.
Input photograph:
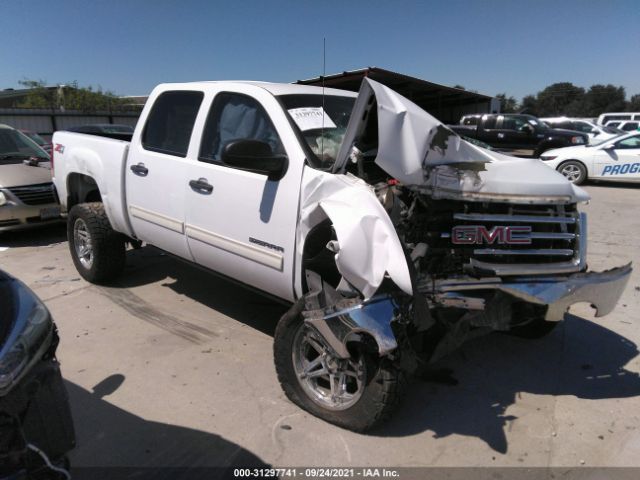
(331, 382)
(571, 172)
(82, 243)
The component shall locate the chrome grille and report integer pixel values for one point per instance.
(554, 242)
(35, 194)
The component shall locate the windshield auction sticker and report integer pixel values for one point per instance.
(310, 118)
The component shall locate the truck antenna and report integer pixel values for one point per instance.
(324, 67)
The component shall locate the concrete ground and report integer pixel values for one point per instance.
(173, 367)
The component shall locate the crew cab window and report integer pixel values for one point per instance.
(489, 122)
(513, 123)
(234, 116)
(170, 123)
(631, 142)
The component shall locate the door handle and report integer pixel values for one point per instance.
(201, 186)
(139, 169)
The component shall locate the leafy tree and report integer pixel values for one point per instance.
(604, 98)
(68, 97)
(507, 104)
(634, 103)
(529, 105)
(562, 98)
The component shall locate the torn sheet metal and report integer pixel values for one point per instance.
(418, 150)
(368, 245)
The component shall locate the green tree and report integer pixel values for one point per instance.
(507, 104)
(562, 98)
(68, 97)
(529, 105)
(604, 98)
(634, 103)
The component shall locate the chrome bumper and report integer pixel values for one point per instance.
(374, 317)
(601, 289)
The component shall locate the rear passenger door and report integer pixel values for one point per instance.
(155, 172)
(243, 224)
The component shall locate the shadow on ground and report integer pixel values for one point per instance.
(149, 265)
(579, 358)
(36, 237)
(108, 436)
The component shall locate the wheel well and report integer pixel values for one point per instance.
(316, 256)
(573, 160)
(81, 189)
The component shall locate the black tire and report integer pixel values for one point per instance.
(574, 167)
(107, 245)
(384, 384)
(537, 328)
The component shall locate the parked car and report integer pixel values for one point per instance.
(628, 125)
(609, 116)
(521, 134)
(42, 143)
(27, 195)
(36, 428)
(615, 159)
(595, 132)
(390, 235)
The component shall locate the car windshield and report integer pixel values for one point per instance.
(322, 129)
(36, 138)
(17, 146)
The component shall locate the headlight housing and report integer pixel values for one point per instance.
(3, 199)
(577, 140)
(28, 339)
(548, 157)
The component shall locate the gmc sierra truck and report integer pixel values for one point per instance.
(517, 133)
(393, 239)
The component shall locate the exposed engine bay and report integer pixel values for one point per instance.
(417, 254)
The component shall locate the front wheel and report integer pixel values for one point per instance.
(356, 393)
(573, 171)
(98, 251)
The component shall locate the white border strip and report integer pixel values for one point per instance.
(157, 218)
(256, 254)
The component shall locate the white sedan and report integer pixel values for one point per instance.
(616, 159)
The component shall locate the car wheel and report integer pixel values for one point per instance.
(97, 250)
(356, 393)
(574, 171)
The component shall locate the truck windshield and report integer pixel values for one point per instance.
(322, 129)
(15, 146)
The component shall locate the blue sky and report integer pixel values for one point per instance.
(492, 46)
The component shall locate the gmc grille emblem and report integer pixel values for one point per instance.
(501, 235)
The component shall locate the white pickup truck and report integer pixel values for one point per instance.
(392, 238)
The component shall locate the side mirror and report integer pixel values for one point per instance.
(527, 129)
(609, 147)
(255, 156)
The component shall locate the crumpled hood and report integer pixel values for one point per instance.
(19, 174)
(418, 150)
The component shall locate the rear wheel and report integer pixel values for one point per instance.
(98, 251)
(574, 171)
(356, 393)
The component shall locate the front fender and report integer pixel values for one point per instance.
(368, 247)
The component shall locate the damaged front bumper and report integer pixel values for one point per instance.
(600, 289)
(349, 320)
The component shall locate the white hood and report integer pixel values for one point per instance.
(418, 150)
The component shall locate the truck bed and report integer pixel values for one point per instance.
(96, 157)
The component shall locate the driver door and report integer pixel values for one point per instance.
(240, 223)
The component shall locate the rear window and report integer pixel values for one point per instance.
(170, 123)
